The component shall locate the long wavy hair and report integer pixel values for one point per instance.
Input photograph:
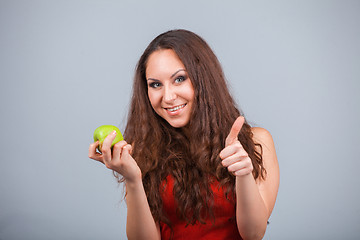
(190, 154)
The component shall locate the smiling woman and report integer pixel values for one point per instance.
(193, 167)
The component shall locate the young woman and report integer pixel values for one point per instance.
(193, 167)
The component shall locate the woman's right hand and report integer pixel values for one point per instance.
(118, 159)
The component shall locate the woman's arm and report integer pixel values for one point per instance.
(254, 200)
(140, 222)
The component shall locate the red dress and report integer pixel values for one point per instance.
(225, 227)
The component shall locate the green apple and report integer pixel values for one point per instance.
(103, 131)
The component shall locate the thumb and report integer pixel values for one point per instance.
(234, 132)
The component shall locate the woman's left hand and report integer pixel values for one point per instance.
(234, 156)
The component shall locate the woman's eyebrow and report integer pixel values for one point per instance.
(177, 72)
(154, 79)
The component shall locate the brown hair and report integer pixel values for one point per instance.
(191, 155)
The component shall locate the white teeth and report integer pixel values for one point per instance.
(176, 108)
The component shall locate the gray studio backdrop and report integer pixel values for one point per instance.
(66, 67)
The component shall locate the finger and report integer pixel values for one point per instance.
(233, 159)
(98, 157)
(92, 152)
(237, 166)
(242, 167)
(117, 149)
(109, 139)
(242, 172)
(126, 151)
(234, 132)
(231, 150)
(92, 148)
(106, 147)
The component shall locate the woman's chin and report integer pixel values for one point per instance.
(178, 123)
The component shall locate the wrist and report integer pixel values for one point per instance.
(245, 180)
(244, 176)
(133, 183)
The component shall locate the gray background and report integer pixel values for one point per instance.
(66, 67)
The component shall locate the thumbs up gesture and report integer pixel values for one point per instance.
(233, 156)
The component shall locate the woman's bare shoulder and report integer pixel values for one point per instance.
(262, 136)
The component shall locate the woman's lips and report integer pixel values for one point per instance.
(175, 110)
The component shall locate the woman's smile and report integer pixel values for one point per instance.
(175, 110)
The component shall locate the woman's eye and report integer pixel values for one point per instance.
(154, 84)
(180, 79)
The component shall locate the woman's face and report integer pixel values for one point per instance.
(170, 90)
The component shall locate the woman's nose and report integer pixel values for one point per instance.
(169, 94)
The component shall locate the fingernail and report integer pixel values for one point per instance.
(114, 132)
